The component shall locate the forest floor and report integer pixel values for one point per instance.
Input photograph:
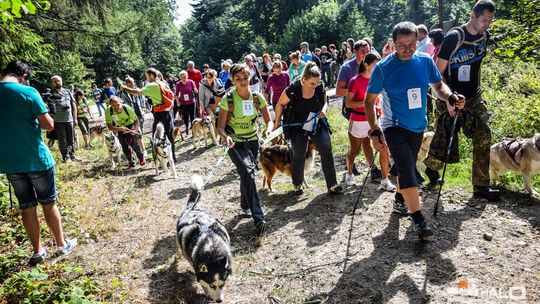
(482, 252)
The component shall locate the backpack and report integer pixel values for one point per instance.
(230, 103)
(167, 97)
(461, 41)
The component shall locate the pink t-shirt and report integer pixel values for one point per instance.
(185, 92)
(358, 85)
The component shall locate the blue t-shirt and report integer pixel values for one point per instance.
(307, 57)
(106, 94)
(347, 71)
(22, 149)
(404, 85)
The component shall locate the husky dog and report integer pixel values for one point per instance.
(114, 148)
(278, 158)
(162, 151)
(424, 149)
(200, 128)
(204, 242)
(519, 155)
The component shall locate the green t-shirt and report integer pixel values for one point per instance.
(244, 118)
(294, 71)
(22, 149)
(125, 118)
(153, 91)
(82, 107)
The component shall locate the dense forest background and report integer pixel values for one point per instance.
(86, 41)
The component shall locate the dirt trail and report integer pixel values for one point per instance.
(129, 222)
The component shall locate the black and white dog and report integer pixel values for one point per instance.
(114, 148)
(162, 150)
(204, 242)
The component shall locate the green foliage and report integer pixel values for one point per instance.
(11, 9)
(19, 42)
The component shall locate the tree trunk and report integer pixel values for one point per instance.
(441, 13)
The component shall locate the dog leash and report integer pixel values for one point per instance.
(219, 161)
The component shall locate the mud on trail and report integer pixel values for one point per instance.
(488, 249)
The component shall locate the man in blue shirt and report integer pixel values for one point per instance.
(306, 53)
(403, 78)
(26, 160)
(107, 92)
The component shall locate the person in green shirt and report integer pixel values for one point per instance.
(297, 65)
(82, 111)
(121, 118)
(238, 114)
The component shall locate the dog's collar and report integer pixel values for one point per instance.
(114, 149)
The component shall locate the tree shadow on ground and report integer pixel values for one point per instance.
(371, 279)
(167, 284)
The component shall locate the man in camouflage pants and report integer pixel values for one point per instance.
(459, 61)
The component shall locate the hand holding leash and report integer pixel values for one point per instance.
(455, 101)
(229, 142)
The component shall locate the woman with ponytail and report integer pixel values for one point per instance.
(359, 126)
(306, 103)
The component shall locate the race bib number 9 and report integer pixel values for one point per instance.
(415, 98)
(248, 108)
(464, 73)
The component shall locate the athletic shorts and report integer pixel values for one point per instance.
(83, 124)
(359, 129)
(33, 187)
(404, 146)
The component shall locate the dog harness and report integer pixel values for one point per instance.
(513, 147)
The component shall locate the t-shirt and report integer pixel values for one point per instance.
(22, 149)
(153, 91)
(244, 118)
(62, 100)
(106, 95)
(196, 76)
(296, 70)
(125, 118)
(301, 106)
(358, 85)
(347, 71)
(96, 94)
(307, 57)
(326, 58)
(82, 107)
(186, 92)
(404, 85)
(462, 74)
(277, 83)
(224, 76)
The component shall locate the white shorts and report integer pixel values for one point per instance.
(359, 129)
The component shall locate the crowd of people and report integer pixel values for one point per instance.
(385, 101)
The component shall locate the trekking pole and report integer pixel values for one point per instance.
(378, 134)
(447, 158)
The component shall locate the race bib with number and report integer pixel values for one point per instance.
(464, 73)
(186, 97)
(310, 124)
(295, 72)
(415, 98)
(248, 108)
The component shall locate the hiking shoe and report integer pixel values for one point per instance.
(74, 158)
(260, 229)
(298, 190)
(400, 208)
(131, 166)
(247, 212)
(387, 185)
(349, 179)
(375, 173)
(434, 177)
(423, 230)
(355, 170)
(69, 245)
(142, 162)
(336, 189)
(37, 258)
(486, 192)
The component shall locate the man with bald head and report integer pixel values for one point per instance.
(64, 117)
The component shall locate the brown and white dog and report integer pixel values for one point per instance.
(519, 155)
(278, 158)
(201, 127)
(97, 131)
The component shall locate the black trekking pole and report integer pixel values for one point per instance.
(447, 158)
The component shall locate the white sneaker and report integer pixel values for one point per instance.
(69, 245)
(349, 179)
(387, 185)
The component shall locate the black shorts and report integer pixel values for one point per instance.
(404, 146)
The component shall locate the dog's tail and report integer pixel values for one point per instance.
(197, 185)
(160, 131)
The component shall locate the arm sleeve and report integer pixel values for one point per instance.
(342, 75)
(434, 74)
(268, 84)
(376, 82)
(37, 105)
(262, 101)
(448, 45)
